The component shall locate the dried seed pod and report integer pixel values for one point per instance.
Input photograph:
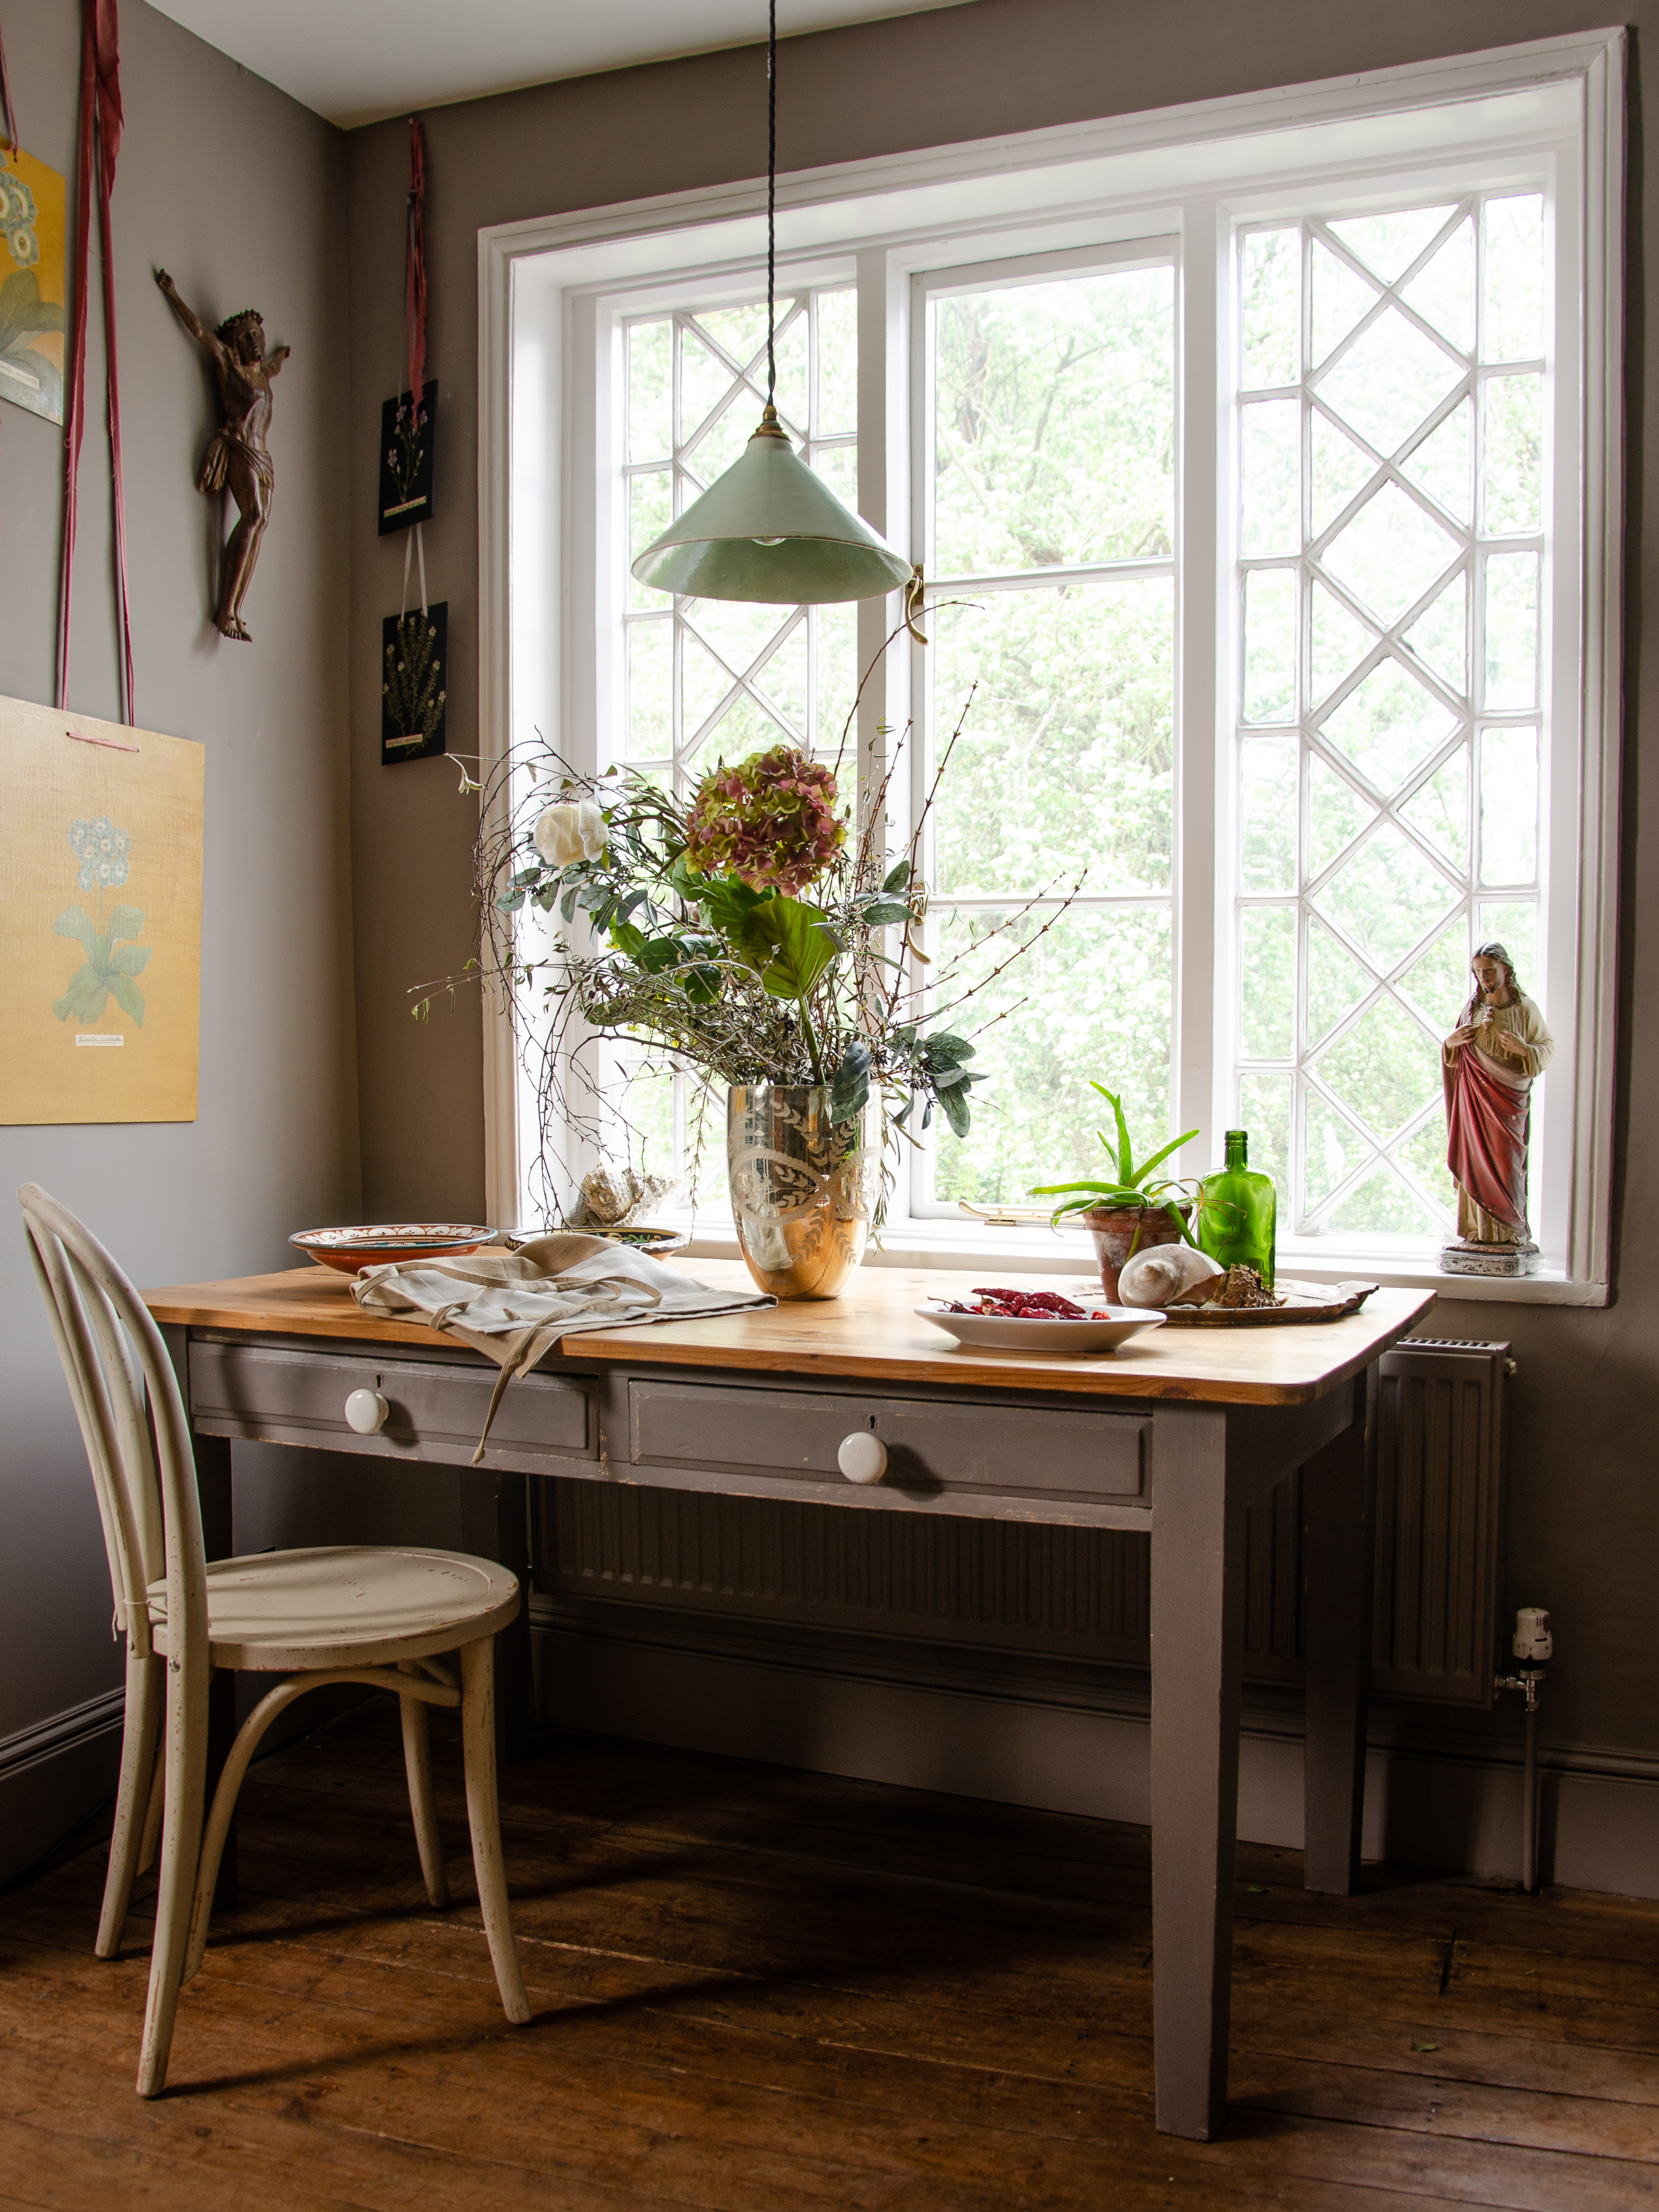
(1166, 1275)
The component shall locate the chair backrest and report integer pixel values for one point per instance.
(132, 1420)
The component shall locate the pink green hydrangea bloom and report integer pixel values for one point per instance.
(770, 822)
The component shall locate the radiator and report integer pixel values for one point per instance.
(1082, 1593)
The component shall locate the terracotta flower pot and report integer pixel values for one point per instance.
(1120, 1231)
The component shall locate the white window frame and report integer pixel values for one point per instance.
(550, 289)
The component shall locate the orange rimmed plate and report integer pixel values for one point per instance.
(375, 1244)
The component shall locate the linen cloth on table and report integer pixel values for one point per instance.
(515, 1307)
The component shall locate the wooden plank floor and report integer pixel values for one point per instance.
(758, 1990)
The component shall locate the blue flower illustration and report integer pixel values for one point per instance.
(102, 850)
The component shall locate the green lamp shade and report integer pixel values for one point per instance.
(771, 530)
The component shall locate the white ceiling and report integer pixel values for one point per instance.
(354, 61)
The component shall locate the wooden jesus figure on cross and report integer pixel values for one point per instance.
(237, 459)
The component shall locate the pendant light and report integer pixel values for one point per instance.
(770, 529)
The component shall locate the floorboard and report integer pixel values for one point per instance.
(755, 1989)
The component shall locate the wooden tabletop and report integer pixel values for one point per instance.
(870, 1330)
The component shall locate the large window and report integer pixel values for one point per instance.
(1265, 494)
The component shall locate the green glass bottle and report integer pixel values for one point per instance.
(1236, 1208)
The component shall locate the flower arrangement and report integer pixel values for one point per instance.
(749, 932)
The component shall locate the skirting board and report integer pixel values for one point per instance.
(54, 1776)
(1599, 1829)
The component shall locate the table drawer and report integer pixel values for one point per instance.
(438, 1408)
(1008, 1451)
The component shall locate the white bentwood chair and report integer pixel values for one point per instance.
(379, 1615)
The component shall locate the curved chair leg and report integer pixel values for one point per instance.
(417, 1762)
(181, 1841)
(138, 1738)
(483, 1816)
(158, 1798)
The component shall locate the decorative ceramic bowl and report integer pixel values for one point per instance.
(1103, 1329)
(656, 1244)
(348, 1250)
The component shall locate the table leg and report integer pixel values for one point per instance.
(495, 1525)
(1198, 1619)
(214, 1489)
(1337, 1511)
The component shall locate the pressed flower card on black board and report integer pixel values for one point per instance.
(414, 679)
(408, 429)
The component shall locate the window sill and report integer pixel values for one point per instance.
(1036, 1251)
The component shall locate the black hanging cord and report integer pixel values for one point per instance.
(771, 202)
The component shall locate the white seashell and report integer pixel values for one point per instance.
(1165, 1275)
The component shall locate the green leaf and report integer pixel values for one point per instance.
(627, 939)
(129, 998)
(954, 1104)
(510, 901)
(568, 906)
(85, 996)
(1126, 1164)
(723, 901)
(130, 959)
(1174, 1145)
(75, 923)
(881, 912)
(789, 946)
(899, 877)
(657, 953)
(943, 1050)
(850, 1086)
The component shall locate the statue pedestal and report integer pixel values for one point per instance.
(1503, 1260)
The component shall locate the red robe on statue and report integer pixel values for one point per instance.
(1487, 1127)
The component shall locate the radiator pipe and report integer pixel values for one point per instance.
(1533, 1640)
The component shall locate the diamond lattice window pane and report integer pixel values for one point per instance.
(1336, 815)
(792, 373)
(1386, 898)
(650, 348)
(838, 362)
(647, 518)
(1270, 307)
(1513, 306)
(1511, 631)
(1438, 983)
(1513, 923)
(704, 682)
(1339, 641)
(1339, 299)
(1442, 292)
(1266, 976)
(1384, 1070)
(1443, 464)
(1439, 636)
(1336, 982)
(705, 384)
(1388, 724)
(1332, 1149)
(1424, 1153)
(835, 672)
(738, 332)
(1390, 553)
(1067, 760)
(1341, 471)
(1513, 454)
(651, 690)
(1382, 1206)
(1440, 809)
(739, 631)
(1264, 1111)
(1508, 807)
(1269, 645)
(1267, 814)
(744, 729)
(1388, 244)
(720, 441)
(1389, 380)
(1270, 475)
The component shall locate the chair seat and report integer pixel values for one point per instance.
(345, 1605)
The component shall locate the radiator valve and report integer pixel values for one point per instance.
(1533, 1639)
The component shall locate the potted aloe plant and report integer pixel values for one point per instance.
(1129, 1212)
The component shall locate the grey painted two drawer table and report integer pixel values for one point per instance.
(1175, 1435)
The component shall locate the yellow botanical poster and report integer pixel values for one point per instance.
(31, 293)
(101, 918)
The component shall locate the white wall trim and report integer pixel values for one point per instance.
(1514, 97)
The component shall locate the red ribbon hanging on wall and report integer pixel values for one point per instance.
(5, 101)
(414, 262)
(100, 143)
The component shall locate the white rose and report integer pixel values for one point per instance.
(566, 834)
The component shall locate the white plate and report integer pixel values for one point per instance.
(1105, 1328)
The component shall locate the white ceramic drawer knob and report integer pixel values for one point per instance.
(862, 1457)
(365, 1411)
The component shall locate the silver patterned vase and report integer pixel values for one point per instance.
(803, 1186)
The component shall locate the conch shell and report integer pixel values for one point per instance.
(1168, 1275)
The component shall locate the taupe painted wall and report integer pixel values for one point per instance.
(238, 190)
(1584, 1503)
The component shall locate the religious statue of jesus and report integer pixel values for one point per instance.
(237, 457)
(1490, 1062)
